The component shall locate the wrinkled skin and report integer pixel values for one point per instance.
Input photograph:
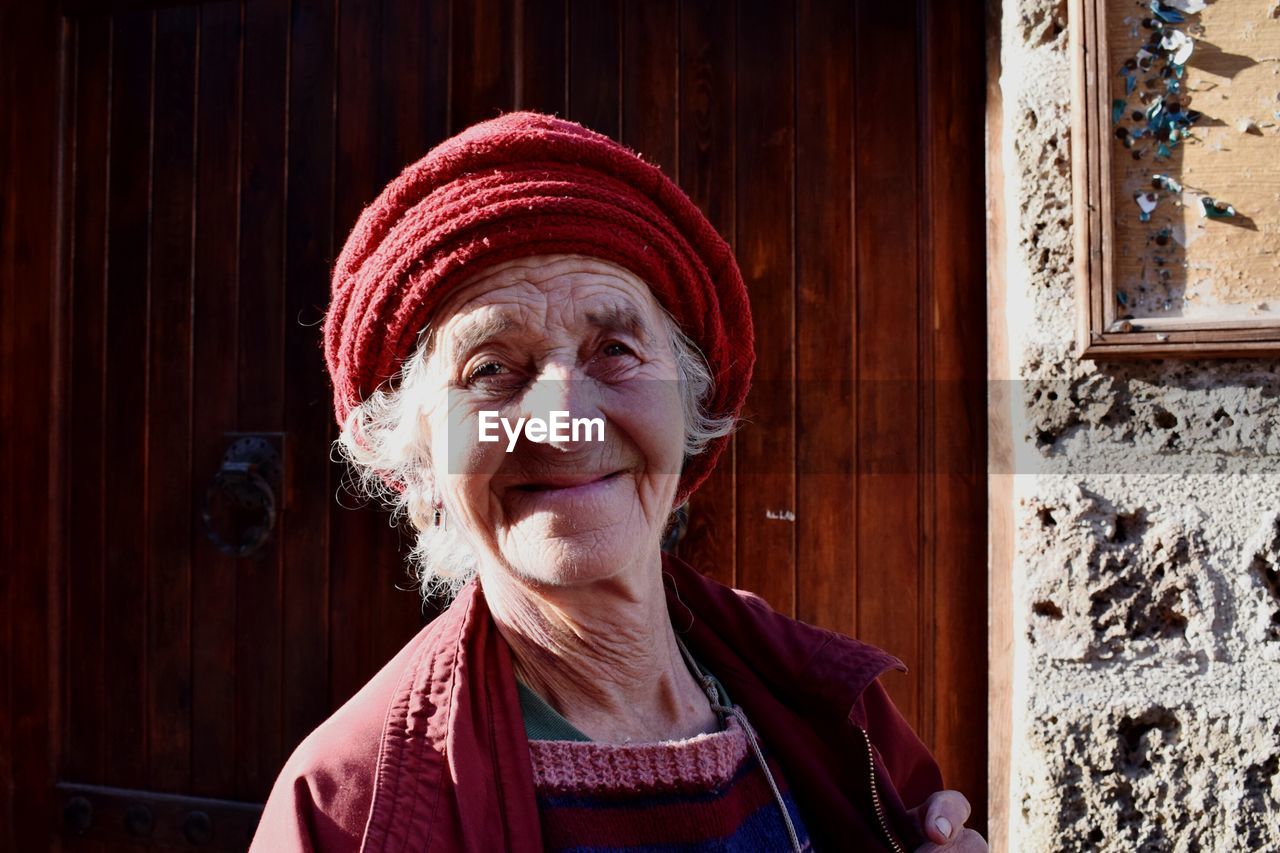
(568, 534)
(555, 342)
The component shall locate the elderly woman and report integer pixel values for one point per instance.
(539, 347)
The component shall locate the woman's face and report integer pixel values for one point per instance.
(558, 333)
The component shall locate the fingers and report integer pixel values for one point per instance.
(964, 841)
(944, 816)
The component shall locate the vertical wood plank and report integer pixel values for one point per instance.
(261, 381)
(371, 616)
(414, 78)
(955, 260)
(706, 170)
(169, 376)
(214, 409)
(85, 688)
(395, 602)
(886, 222)
(482, 78)
(8, 411)
(57, 426)
(765, 183)
(357, 532)
(304, 532)
(127, 339)
(998, 499)
(400, 103)
(928, 395)
(412, 50)
(595, 56)
(651, 81)
(31, 313)
(542, 57)
(826, 533)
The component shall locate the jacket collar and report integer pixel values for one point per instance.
(453, 768)
(742, 638)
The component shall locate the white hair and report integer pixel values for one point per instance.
(384, 443)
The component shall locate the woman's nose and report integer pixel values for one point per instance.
(559, 396)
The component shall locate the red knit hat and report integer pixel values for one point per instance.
(530, 184)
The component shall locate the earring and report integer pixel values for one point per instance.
(439, 518)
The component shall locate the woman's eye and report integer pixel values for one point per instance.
(614, 349)
(489, 368)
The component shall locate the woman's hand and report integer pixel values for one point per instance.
(942, 818)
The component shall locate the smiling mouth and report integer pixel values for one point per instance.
(560, 483)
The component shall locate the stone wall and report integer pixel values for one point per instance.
(1147, 514)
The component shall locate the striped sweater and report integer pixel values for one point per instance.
(706, 793)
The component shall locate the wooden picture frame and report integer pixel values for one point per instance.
(1105, 329)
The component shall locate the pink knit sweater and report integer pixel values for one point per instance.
(707, 792)
(703, 761)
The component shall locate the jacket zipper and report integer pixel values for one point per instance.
(875, 796)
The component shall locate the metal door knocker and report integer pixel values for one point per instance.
(240, 504)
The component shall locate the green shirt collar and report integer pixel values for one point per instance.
(542, 722)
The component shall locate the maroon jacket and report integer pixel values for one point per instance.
(431, 754)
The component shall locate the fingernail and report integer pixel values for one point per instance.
(944, 826)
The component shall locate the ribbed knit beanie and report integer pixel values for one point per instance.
(529, 184)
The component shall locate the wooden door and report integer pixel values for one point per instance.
(202, 164)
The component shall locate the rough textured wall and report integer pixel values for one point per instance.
(1147, 569)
